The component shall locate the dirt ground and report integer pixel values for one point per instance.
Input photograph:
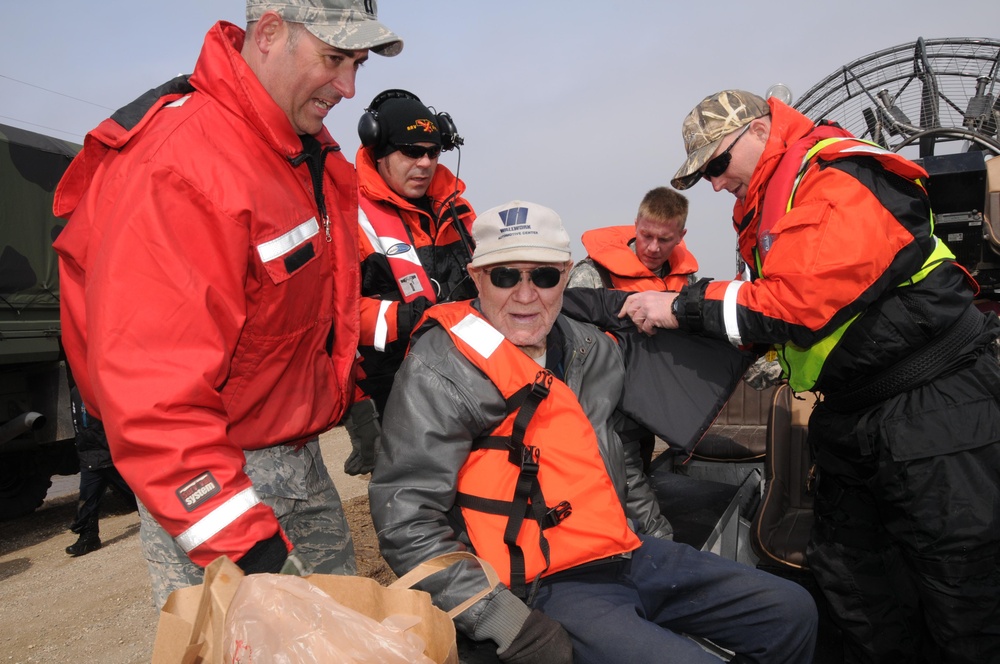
(98, 607)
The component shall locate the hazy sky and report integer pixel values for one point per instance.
(576, 105)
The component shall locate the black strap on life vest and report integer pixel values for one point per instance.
(528, 500)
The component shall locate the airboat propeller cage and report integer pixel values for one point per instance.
(927, 92)
(936, 102)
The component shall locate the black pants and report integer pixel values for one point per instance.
(93, 484)
(906, 542)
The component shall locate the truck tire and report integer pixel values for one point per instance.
(24, 481)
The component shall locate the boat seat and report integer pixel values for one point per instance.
(739, 432)
(780, 530)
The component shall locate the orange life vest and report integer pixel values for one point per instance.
(609, 249)
(546, 442)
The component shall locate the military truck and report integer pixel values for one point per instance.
(36, 429)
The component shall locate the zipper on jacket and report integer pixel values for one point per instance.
(314, 155)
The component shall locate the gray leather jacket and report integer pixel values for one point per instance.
(441, 403)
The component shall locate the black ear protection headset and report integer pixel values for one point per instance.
(374, 135)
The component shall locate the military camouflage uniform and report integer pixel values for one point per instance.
(585, 275)
(764, 373)
(297, 486)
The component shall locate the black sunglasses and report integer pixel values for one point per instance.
(718, 166)
(508, 277)
(418, 151)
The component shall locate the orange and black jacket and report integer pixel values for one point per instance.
(847, 247)
(621, 269)
(386, 320)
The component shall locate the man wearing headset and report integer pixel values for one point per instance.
(414, 244)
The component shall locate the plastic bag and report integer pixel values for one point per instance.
(282, 619)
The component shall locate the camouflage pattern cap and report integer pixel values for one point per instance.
(711, 120)
(351, 25)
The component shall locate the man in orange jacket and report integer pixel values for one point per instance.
(414, 243)
(868, 307)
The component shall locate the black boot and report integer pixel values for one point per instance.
(89, 541)
(84, 545)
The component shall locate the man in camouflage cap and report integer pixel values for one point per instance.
(864, 304)
(221, 200)
(349, 25)
(709, 123)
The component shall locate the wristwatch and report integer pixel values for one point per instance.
(675, 308)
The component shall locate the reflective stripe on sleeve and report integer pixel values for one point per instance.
(729, 312)
(217, 519)
(381, 326)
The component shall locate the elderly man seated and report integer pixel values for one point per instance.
(499, 439)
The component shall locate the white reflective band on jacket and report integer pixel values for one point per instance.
(216, 520)
(382, 326)
(729, 310)
(280, 246)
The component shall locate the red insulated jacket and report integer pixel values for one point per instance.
(200, 312)
(609, 249)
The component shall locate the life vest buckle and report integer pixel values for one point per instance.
(543, 381)
(556, 515)
(525, 458)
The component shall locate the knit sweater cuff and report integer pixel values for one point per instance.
(502, 619)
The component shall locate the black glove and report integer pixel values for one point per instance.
(541, 641)
(266, 556)
(364, 429)
(408, 314)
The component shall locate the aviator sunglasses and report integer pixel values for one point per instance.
(418, 151)
(508, 277)
(718, 166)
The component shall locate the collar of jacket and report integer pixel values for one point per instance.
(223, 74)
(787, 127)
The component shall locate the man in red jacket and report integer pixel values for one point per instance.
(414, 243)
(868, 307)
(209, 291)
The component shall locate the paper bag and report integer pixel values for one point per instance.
(190, 629)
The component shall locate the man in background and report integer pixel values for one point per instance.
(651, 255)
(415, 243)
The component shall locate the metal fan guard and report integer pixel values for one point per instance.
(923, 93)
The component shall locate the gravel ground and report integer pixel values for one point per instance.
(98, 607)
